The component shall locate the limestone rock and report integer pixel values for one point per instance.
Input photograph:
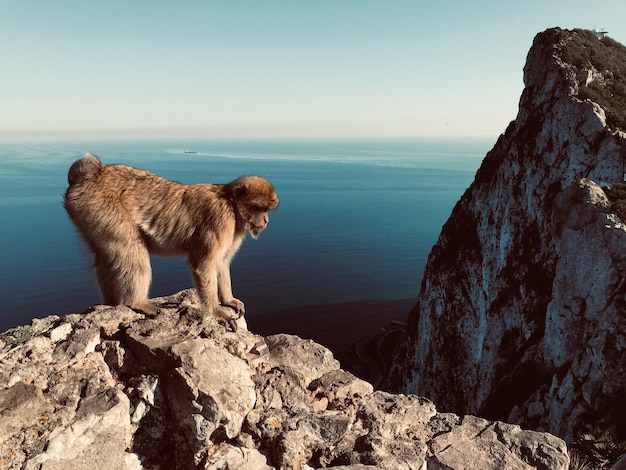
(290, 350)
(20, 403)
(99, 431)
(211, 391)
(521, 312)
(468, 442)
(110, 389)
(226, 456)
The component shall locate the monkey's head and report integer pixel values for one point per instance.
(253, 197)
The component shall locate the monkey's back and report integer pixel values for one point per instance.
(118, 199)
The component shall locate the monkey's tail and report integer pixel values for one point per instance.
(84, 168)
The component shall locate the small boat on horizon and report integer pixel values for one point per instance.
(190, 151)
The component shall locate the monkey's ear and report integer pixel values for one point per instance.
(242, 190)
(238, 189)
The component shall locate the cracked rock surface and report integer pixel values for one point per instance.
(111, 389)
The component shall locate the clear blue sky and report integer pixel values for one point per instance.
(274, 68)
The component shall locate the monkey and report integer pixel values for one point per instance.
(124, 214)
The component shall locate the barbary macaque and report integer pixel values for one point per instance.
(124, 214)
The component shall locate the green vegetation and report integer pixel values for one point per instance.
(21, 334)
(584, 50)
(617, 197)
(595, 452)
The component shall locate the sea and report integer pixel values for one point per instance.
(356, 222)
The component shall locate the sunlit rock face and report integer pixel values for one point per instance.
(110, 389)
(522, 310)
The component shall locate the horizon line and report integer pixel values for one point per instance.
(169, 134)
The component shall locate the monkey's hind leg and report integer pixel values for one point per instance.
(124, 274)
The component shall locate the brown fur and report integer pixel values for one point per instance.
(124, 214)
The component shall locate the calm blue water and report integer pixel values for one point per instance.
(357, 219)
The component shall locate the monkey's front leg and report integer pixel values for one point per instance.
(224, 290)
(205, 278)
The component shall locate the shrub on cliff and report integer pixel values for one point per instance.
(591, 452)
(607, 57)
(617, 197)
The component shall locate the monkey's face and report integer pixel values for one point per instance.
(256, 223)
(254, 196)
(255, 212)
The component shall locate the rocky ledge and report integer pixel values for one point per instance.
(111, 389)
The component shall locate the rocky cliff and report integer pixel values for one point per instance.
(111, 389)
(522, 309)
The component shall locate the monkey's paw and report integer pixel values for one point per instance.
(227, 317)
(228, 324)
(147, 309)
(236, 305)
(227, 313)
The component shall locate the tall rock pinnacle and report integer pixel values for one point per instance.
(522, 309)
